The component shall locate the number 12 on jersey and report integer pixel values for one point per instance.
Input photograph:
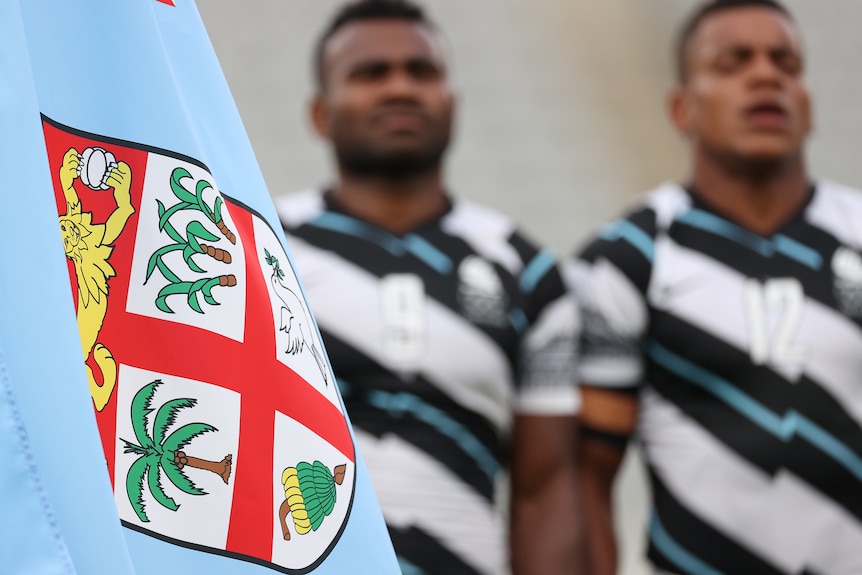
(774, 311)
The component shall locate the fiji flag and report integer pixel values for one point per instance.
(166, 404)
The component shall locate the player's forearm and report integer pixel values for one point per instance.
(544, 536)
(544, 529)
(597, 469)
(599, 548)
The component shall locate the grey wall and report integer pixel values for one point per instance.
(537, 135)
(561, 117)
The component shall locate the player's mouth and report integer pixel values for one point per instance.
(401, 119)
(767, 115)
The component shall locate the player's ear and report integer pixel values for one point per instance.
(680, 110)
(319, 113)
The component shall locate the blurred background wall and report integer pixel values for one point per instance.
(561, 117)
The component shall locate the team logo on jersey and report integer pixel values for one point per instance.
(847, 271)
(214, 401)
(480, 293)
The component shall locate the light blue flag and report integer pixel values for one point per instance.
(166, 404)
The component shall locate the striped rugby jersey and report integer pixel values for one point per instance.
(747, 355)
(437, 337)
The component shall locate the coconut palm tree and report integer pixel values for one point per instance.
(162, 453)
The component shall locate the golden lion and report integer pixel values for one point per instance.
(89, 246)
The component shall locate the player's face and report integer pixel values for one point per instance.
(386, 104)
(746, 95)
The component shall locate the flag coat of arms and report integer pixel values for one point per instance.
(212, 417)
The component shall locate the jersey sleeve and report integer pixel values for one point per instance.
(608, 280)
(547, 376)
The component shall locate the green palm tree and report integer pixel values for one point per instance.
(162, 453)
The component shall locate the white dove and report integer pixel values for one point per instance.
(295, 322)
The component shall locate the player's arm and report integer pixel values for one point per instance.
(544, 536)
(607, 420)
(609, 281)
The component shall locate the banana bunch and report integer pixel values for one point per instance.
(309, 495)
(295, 500)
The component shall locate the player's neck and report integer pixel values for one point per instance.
(397, 205)
(761, 201)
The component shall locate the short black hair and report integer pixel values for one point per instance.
(359, 11)
(693, 22)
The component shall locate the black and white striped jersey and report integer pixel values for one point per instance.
(437, 337)
(747, 352)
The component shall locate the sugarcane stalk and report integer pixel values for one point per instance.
(226, 231)
(227, 280)
(217, 253)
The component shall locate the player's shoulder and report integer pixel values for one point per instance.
(628, 241)
(544, 303)
(646, 214)
(493, 235)
(837, 209)
(298, 208)
(837, 191)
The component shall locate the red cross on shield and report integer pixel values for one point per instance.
(207, 371)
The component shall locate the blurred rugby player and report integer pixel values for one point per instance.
(722, 326)
(449, 332)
